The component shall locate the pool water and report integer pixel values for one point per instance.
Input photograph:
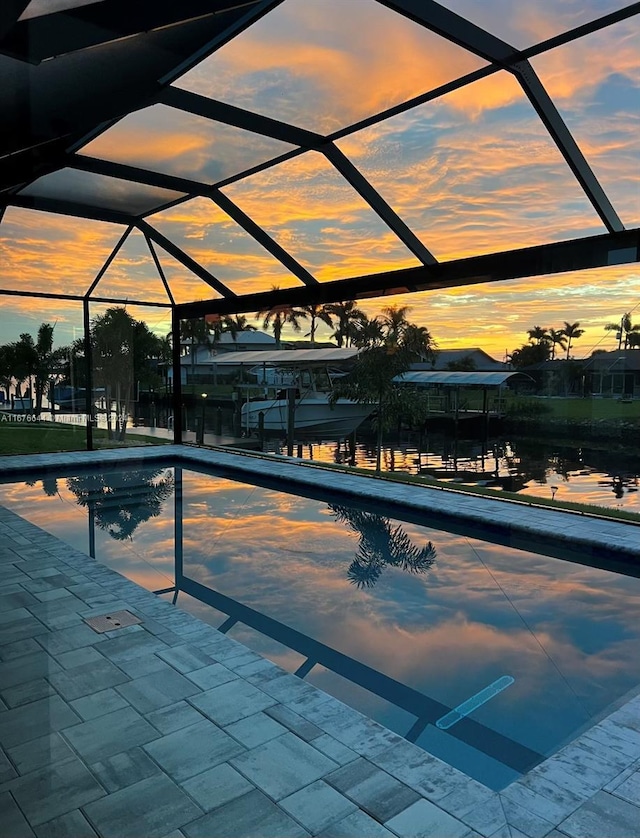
(404, 622)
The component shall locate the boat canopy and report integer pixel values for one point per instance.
(286, 357)
(455, 379)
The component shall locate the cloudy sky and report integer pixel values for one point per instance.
(470, 173)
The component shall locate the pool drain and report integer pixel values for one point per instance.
(111, 622)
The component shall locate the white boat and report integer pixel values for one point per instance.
(313, 416)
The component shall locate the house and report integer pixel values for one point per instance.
(473, 359)
(613, 374)
(202, 363)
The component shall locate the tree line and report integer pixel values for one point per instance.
(544, 343)
(124, 353)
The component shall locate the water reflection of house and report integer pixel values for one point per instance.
(614, 373)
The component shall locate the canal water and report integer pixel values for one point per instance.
(604, 474)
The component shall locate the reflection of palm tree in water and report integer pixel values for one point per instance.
(122, 501)
(381, 544)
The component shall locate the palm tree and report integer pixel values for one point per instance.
(49, 361)
(316, 312)
(194, 331)
(279, 316)
(25, 359)
(417, 340)
(573, 332)
(625, 330)
(237, 324)
(6, 367)
(394, 322)
(122, 349)
(350, 317)
(557, 338)
(368, 333)
(538, 334)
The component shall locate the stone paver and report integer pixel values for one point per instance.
(151, 807)
(55, 790)
(253, 814)
(604, 816)
(317, 806)
(192, 750)
(107, 735)
(423, 819)
(217, 786)
(298, 765)
(231, 702)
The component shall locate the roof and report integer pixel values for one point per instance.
(618, 360)
(248, 337)
(287, 357)
(215, 102)
(455, 379)
(482, 359)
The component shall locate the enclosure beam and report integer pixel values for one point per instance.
(466, 34)
(88, 372)
(109, 260)
(377, 203)
(198, 105)
(559, 257)
(184, 259)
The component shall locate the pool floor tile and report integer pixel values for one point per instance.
(151, 808)
(298, 765)
(247, 817)
(192, 750)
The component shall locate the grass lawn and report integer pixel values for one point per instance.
(582, 409)
(47, 438)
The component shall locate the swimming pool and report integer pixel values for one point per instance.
(404, 621)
